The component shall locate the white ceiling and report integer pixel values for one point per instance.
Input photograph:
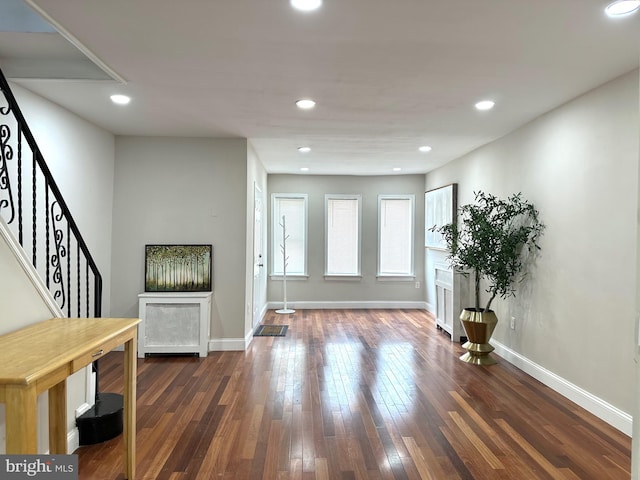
(387, 75)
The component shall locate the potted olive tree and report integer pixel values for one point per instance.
(491, 240)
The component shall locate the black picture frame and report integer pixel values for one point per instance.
(178, 268)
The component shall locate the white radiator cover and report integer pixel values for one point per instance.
(174, 323)
(450, 288)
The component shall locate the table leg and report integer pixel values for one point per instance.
(58, 418)
(130, 407)
(21, 419)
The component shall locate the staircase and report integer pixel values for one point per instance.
(33, 209)
(38, 226)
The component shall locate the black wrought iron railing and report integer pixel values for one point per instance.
(35, 211)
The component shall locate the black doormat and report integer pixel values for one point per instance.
(271, 331)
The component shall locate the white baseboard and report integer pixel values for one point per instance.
(306, 305)
(595, 405)
(226, 344)
(73, 440)
(263, 312)
(82, 409)
(249, 337)
(235, 344)
(430, 308)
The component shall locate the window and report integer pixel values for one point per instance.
(293, 207)
(342, 214)
(395, 235)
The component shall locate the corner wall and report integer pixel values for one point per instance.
(366, 292)
(182, 191)
(579, 165)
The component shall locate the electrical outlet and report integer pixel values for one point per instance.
(417, 284)
(513, 323)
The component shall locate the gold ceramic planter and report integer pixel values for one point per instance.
(479, 326)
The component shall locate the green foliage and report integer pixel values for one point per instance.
(492, 239)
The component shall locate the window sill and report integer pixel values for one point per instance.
(395, 278)
(278, 277)
(437, 249)
(348, 278)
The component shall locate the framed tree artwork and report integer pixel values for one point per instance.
(178, 268)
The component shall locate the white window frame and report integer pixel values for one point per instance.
(409, 275)
(275, 224)
(334, 196)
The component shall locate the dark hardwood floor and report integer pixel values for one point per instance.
(353, 394)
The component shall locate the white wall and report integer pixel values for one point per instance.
(579, 165)
(317, 291)
(21, 305)
(81, 158)
(635, 443)
(182, 190)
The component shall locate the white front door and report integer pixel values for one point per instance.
(259, 265)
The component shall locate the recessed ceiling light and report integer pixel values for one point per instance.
(304, 149)
(485, 105)
(305, 103)
(120, 99)
(425, 148)
(304, 169)
(396, 169)
(620, 8)
(306, 5)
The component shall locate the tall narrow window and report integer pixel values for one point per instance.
(342, 235)
(289, 210)
(395, 235)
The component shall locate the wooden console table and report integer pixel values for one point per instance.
(40, 357)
